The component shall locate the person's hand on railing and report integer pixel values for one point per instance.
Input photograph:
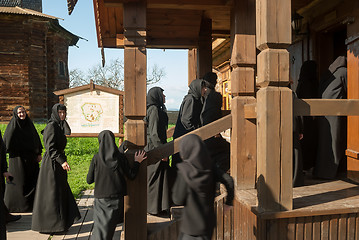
(140, 156)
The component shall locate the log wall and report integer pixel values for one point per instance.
(29, 55)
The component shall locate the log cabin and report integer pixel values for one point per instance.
(33, 58)
(256, 51)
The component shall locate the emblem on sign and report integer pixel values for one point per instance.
(92, 111)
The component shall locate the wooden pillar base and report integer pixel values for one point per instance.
(243, 147)
(274, 144)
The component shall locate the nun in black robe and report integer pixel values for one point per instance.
(3, 209)
(195, 189)
(55, 209)
(189, 119)
(158, 197)
(218, 147)
(332, 129)
(308, 88)
(189, 115)
(108, 169)
(24, 147)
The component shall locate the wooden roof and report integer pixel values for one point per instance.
(91, 87)
(170, 23)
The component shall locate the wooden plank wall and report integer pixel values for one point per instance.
(224, 228)
(339, 226)
(170, 232)
(29, 54)
(57, 50)
(13, 66)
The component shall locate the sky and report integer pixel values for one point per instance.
(87, 54)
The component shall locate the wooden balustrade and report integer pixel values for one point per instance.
(204, 133)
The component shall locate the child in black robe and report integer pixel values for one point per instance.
(107, 169)
(195, 189)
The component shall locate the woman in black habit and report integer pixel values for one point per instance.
(55, 209)
(24, 147)
(108, 169)
(158, 197)
(4, 173)
(218, 147)
(189, 115)
(195, 189)
(332, 129)
(308, 88)
(189, 119)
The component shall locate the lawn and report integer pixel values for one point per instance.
(79, 153)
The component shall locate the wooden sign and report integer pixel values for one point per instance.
(92, 109)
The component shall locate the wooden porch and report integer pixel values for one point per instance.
(82, 229)
(262, 107)
(321, 210)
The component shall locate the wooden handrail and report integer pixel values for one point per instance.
(204, 133)
(326, 107)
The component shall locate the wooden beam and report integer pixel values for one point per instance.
(204, 133)
(204, 50)
(192, 65)
(326, 107)
(250, 111)
(135, 70)
(165, 2)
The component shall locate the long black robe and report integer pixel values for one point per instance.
(55, 209)
(195, 188)
(3, 210)
(308, 88)
(158, 197)
(108, 168)
(298, 175)
(24, 146)
(218, 147)
(332, 129)
(189, 115)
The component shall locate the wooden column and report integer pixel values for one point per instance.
(134, 21)
(243, 61)
(274, 106)
(192, 65)
(204, 51)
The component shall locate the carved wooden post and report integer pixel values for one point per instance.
(135, 110)
(204, 51)
(192, 65)
(243, 61)
(274, 106)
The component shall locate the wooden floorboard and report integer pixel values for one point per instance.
(80, 230)
(319, 198)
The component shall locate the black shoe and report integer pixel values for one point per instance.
(12, 218)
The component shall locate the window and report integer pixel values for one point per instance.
(62, 68)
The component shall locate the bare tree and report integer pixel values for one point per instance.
(112, 75)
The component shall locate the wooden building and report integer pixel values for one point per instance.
(256, 59)
(33, 59)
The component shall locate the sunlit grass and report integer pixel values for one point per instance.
(79, 152)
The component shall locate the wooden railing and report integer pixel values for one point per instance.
(204, 133)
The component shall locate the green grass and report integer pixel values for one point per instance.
(79, 152)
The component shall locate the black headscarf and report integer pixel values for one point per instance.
(56, 118)
(197, 164)
(21, 135)
(155, 97)
(108, 153)
(195, 88)
(211, 78)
